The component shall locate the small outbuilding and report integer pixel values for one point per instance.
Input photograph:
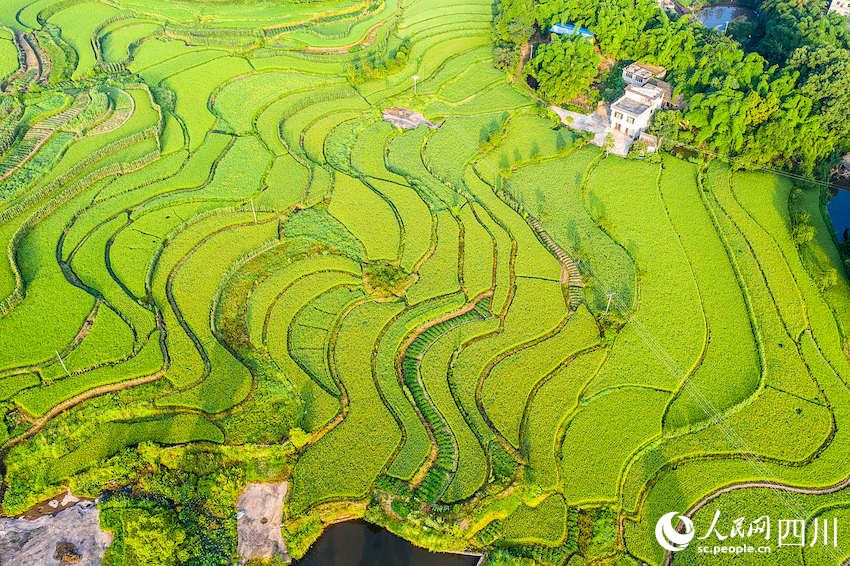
(570, 30)
(644, 74)
(405, 118)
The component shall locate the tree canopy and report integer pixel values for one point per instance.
(564, 68)
(782, 98)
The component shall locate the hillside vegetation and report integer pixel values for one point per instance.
(222, 265)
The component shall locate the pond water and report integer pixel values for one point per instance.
(839, 212)
(356, 543)
(718, 16)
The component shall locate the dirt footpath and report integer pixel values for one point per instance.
(70, 536)
(259, 513)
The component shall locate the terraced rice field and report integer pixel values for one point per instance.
(213, 237)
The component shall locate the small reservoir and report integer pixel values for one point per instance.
(839, 212)
(719, 16)
(357, 543)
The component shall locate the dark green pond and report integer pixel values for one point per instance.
(839, 212)
(718, 16)
(357, 543)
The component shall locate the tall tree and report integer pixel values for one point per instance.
(564, 68)
(825, 79)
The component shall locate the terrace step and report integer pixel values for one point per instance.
(38, 135)
(30, 68)
(439, 475)
(575, 283)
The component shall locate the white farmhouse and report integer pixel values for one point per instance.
(841, 7)
(637, 74)
(632, 112)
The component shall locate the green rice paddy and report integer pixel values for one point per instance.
(202, 228)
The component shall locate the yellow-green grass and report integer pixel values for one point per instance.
(285, 184)
(109, 340)
(54, 310)
(502, 250)
(8, 56)
(26, 14)
(498, 98)
(818, 256)
(311, 107)
(315, 134)
(193, 88)
(414, 216)
(438, 275)
(39, 400)
(641, 224)
(478, 253)
(435, 370)
(112, 437)
(89, 265)
(193, 285)
(548, 405)
(530, 138)
(345, 462)
(364, 157)
(823, 253)
(758, 502)
(457, 141)
(142, 238)
(265, 295)
(196, 173)
(532, 257)
(783, 366)
(239, 172)
(239, 100)
(731, 349)
(765, 428)
(477, 77)
(404, 158)
(77, 22)
(555, 186)
(590, 470)
(115, 42)
(378, 230)
(271, 117)
(158, 58)
(163, 168)
(451, 68)
(307, 284)
(309, 333)
(544, 523)
(515, 376)
(417, 444)
(10, 385)
(7, 18)
(524, 322)
(187, 364)
(771, 256)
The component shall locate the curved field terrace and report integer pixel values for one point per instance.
(223, 265)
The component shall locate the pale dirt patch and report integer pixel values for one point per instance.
(259, 515)
(73, 531)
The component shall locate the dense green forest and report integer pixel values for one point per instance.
(771, 92)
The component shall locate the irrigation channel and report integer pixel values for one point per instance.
(357, 543)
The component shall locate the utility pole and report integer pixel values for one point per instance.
(58, 357)
(415, 78)
(610, 296)
(254, 211)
